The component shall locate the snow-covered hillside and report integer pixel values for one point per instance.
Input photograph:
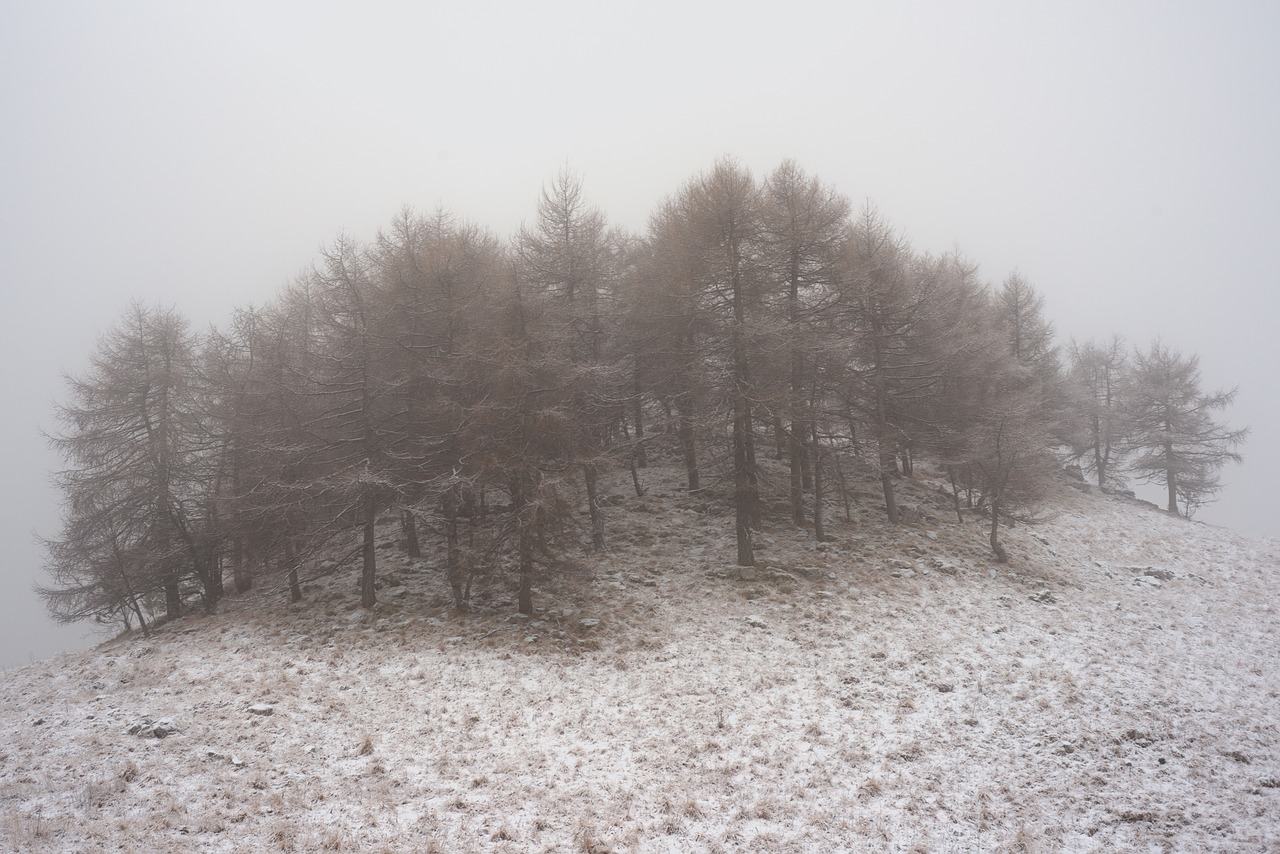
(1115, 687)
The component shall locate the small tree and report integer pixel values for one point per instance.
(1097, 373)
(1174, 435)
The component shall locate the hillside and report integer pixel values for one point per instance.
(1114, 687)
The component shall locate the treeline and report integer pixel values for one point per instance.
(480, 388)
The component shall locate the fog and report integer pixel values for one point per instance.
(1121, 156)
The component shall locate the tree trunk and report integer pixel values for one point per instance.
(453, 557)
(524, 527)
(742, 482)
(172, 596)
(590, 475)
(409, 526)
(240, 568)
(998, 550)
(797, 469)
(844, 489)
(887, 469)
(295, 589)
(369, 566)
(818, 532)
(753, 476)
(955, 494)
(685, 408)
(637, 415)
(1099, 467)
(635, 479)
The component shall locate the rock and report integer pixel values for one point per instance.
(147, 728)
(1142, 739)
(1044, 597)
(942, 566)
(391, 580)
(1074, 472)
(261, 709)
(755, 621)
(1119, 493)
(588, 623)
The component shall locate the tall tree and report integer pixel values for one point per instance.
(725, 232)
(881, 310)
(566, 253)
(805, 224)
(1174, 433)
(132, 491)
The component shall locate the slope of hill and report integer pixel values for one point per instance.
(1115, 687)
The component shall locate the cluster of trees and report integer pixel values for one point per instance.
(1146, 416)
(479, 388)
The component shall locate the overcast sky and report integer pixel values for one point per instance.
(1122, 156)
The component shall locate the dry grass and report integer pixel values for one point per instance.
(860, 705)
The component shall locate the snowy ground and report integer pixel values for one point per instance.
(1115, 687)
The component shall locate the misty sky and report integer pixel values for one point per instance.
(1122, 156)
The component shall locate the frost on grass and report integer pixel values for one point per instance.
(888, 691)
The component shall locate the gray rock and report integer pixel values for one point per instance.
(147, 728)
(755, 621)
(262, 709)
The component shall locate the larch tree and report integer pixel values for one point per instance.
(566, 254)
(1173, 430)
(724, 225)
(131, 491)
(880, 311)
(1098, 373)
(804, 226)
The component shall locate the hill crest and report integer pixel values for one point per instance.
(1113, 687)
